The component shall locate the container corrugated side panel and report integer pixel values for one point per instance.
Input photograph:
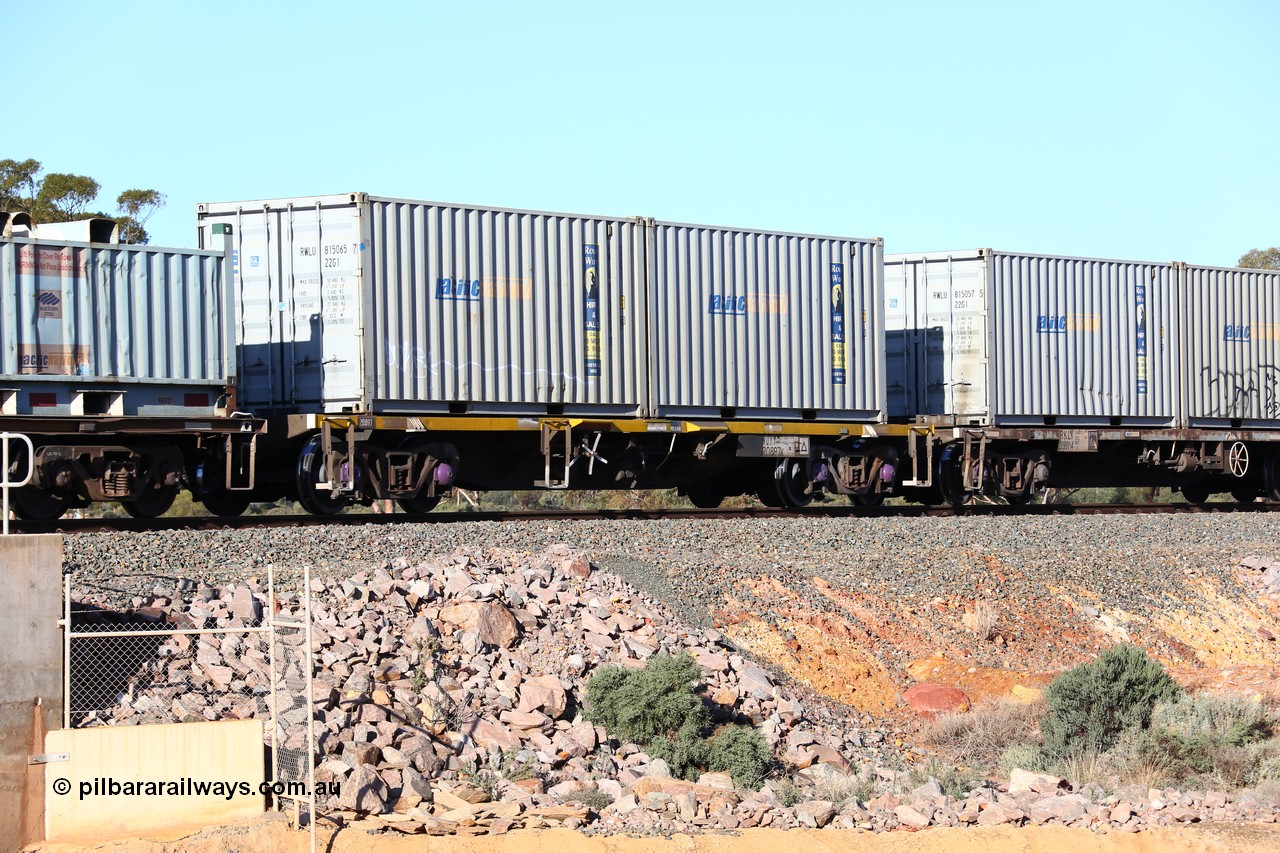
(938, 339)
(507, 311)
(1082, 340)
(743, 320)
(93, 315)
(1231, 346)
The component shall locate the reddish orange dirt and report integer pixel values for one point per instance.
(866, 649)
(271, 835)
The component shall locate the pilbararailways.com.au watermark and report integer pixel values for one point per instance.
(104, 786)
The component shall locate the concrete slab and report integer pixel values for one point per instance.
(30, 672)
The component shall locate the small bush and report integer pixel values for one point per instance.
(1025, 756)
(685, 752)
(741, 752)
(659, 708)
(1232, 720)
(1089, 706)
(641, 705)
(789, 794)
(592, 797)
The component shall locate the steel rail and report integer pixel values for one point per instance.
(112, 525)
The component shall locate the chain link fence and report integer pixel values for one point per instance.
(147, 649)
(171, 651)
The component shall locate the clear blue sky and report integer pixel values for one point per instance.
(1142, 130)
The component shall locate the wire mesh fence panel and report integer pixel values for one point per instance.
(177, 652)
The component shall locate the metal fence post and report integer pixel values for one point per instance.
(5, 482)
(66, 651)
(311, 709)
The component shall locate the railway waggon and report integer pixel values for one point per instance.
(351, 348)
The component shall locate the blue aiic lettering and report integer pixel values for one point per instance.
(1051, 324)
(458, 291)
(1231, 332)
(728, 304)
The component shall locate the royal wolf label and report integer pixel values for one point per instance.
(838, 364)
(591, 306)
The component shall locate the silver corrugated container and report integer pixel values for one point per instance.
(356, 303)
(983, 337)
(1230, 331)
(112, 330)
(768, 325)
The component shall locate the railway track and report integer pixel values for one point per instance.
(111, 525)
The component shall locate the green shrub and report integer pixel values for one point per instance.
(641, 705)
(741, 752)
(1230, 720)
(686, 751)
(789, 794)
(1089, 706)
(659, 708)
(1024, 756)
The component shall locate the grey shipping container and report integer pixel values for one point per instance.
(357, 303)
(988, 337)
(767, 325)
(1230, 329)
(96, 329)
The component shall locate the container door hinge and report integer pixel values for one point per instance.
(48, 758)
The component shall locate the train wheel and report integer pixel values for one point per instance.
(152, 503)
(421, 505)
(1271, 477)
(704, 495)
(314, 498)
(211, 490)
(1245, 494)
(768, 495)
(225, 504)
(1197, 493)
(31, 502)
(792, 478)
(34, 504)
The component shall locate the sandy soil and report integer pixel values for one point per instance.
(271, 834)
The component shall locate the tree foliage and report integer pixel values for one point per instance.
(1261, 259)
(63, 197)
(67, 196)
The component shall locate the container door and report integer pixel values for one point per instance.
(951, 295)
(321, 279)
(297, 306)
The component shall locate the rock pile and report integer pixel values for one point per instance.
(448, 690)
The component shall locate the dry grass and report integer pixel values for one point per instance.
(1268, 791)
(980, 735)
(1085, 769)
(982, 619)
(842, 791)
